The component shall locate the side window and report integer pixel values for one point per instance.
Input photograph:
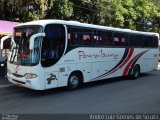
(138, 40)
(116, 39)
(75, 36)
(146, 41)
(78, 36)
(69, 36)
(86, 37)
(150, 41)
(100, 38)
(155, 42)
(132, 40)
(94, 37)
(121, 39)
(125, 39)
(53, 44)
(135, 40)
(143, 40)
(109, 38)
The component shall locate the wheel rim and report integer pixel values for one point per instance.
(136, 72)
(74, 80)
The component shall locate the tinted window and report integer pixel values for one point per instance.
(100, 38)
(109, 38)
(53, 44)
(135, 40)
(147, 41)
(75, 36)
(86, 37)
(155, 42)
(121, 39)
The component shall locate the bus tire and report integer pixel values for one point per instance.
(135, 72)
(74, 81)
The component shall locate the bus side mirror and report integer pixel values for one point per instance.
(3, 39)
(31, 43)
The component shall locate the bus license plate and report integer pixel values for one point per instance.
(19, 85)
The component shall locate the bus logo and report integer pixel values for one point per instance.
(52, 77)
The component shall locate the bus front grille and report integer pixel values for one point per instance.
(18, 81)
(17, 75)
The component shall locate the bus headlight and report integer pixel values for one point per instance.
(30, 75)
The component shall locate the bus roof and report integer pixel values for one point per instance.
(76, 23)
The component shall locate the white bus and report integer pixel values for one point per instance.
(54, 53)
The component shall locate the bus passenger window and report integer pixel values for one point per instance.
(125, 39)
(109, 38)
(121, 39)
(86, 40)
(155, 42)
(117, 39)
(146, 41)
(135, 40)
(86, 37)
(101, 38)
(76, 35)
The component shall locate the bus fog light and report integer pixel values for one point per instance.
(28, 81)
(30, 75)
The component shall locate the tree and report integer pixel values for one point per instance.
(92, 11)
(143, 15)
(156, 3)
(33, 10)
(146, 14)
(135, 14)
(59, 9)
(10, 9)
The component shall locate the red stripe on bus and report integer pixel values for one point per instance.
(128, 57)
(131, 62)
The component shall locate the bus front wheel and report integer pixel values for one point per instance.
(74, 81)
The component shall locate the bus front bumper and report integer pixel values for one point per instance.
(23, 82)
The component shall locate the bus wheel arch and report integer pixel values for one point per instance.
(136, 70)
(75, 79)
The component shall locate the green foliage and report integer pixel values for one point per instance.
(136, 14)
(58, 9)
(143, 15)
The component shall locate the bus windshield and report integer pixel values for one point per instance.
(21, 54)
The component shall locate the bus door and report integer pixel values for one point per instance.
(53, 46)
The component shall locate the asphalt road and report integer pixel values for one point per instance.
(118, 95)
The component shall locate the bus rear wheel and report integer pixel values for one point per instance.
(74, 81)
(135, 72)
